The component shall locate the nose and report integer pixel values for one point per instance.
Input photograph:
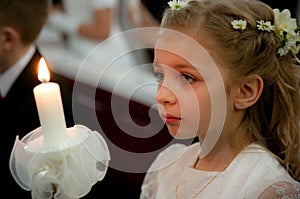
(165, 96)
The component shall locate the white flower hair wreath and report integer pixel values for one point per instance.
(285, 28)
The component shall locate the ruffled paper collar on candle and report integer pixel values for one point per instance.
(68, 170)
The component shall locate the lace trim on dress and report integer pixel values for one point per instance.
(281, 190)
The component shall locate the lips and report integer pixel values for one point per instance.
(170, 119)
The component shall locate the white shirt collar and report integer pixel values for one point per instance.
(11, 74)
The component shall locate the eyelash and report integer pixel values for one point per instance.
(159, 77)
(187, 78)
(183, 77)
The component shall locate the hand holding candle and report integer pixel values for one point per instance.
(50, 109)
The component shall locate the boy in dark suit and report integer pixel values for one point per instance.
(20, 24)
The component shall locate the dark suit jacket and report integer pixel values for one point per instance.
(18, 116)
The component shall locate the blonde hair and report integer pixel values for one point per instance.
(274, 120)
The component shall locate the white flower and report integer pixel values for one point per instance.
(287, 31)
(239, 24)
(176, 4)
(264, 25)
(284, 22)
(283, 50)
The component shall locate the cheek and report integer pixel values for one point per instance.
(196, 112)
(204, 106)
(199, 100)
(205, 116)
(160, 108)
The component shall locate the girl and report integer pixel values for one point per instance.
(250, 148)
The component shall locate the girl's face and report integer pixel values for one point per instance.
(181, 93)
(184, 96)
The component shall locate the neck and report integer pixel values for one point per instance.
(217, 160)
(13, 56)
(222, 154)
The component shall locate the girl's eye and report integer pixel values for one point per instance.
(187, 79)
(159, 77)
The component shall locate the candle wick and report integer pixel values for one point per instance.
(44, 80)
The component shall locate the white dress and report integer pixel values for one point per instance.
(254, 173)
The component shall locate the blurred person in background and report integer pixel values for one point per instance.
(86, 24)
(19, 58)
(83, 22)
(144, 13)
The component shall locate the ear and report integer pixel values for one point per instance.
(9, 38)
(248, 92)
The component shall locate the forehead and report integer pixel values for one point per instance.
(168, 58)
(182, 46)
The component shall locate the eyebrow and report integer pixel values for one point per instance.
(180, 66)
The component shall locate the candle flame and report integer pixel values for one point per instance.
(43, 73)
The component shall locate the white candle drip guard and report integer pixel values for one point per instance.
(65, 170)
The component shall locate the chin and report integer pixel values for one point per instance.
(180, 133)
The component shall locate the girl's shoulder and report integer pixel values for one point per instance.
(282, 189)
(174, 153)
(263, 176)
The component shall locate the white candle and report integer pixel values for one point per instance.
(50, 109)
